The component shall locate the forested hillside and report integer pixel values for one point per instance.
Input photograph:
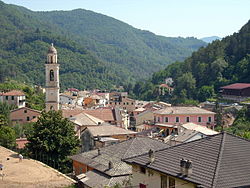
(220, 63)
(94, 50)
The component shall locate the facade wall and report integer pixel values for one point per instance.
(152, 179)
(148, 116)
(159, 118)
(23, 115)
(19, 101)
(80, 168)
(66, 100)
(124, 103)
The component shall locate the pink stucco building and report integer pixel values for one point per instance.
(180, 115)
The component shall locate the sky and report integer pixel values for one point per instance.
(171, 18)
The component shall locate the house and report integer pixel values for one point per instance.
(217, 161)
(122, 118)
(121, 100)
(199, 128)
(83, 120)
(29, 173)
(236, 92)
(105, 114)
(164, 89)
(145, 116)
(90, 135)
(189, 132)
(67, 99)
(23, 115)
(104, 167)
(91, 101)
(14, 97)
(172, 117)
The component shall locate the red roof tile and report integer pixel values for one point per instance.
(237, 86)
(14, 93)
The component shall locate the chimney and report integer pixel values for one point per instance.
(99, 151)
(111, 165)
(188, 169)
(182, 166)
(151, 155)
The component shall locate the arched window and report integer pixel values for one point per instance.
(51, 75)
(51, 59)
(51, 108)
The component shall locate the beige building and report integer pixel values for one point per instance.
(144, 117)
(14, 97)
(121, 100)
(52, 80)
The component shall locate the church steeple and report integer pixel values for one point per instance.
(52, 80)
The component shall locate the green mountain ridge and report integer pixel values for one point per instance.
(219, 63)
(94, 50)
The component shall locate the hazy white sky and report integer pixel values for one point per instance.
(198, 18)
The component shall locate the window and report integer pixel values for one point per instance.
(127, 103)
(143, 170)
(166, 119)
(187, 119)
(115, 103)
(34, 117)
(124, 103)
(119, 103)
(51, 75)
(110, 103)
(142, 185)
(209, 119)
(177, 119)
(25, 111)
(12, 97)
(199, 119)
(28, 118)
(159, 119)
(171, 182)
(164, 182)
(6, 97)
(132, 103)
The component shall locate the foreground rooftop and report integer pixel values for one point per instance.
(29, 173)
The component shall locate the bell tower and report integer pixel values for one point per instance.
(52, 80)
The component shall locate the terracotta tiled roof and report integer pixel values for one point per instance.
(199, 128)
(84, 119)
(237, 86)
(218, 161)
(29, 109)
(14, 93)
(109, 130)
(67, 113)
(105, 114)
(183, 110)
(21, 142)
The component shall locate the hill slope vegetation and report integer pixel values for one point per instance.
(94, 50)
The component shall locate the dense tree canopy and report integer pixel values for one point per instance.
(54, 137)
(95, 51)
(220, 63)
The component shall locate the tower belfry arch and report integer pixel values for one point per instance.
(52, 80)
